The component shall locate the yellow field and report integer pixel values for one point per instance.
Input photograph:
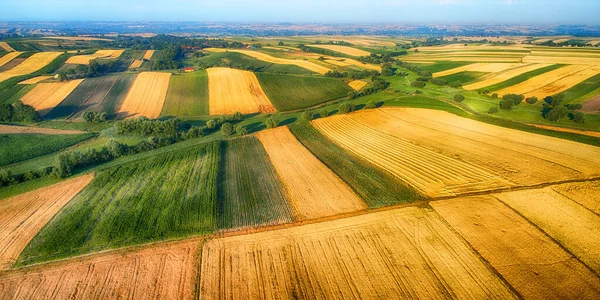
(45, 96)
(8, 57)
(432, 173)
(6, 47)
(584, 193)
(569, 60)
(360, 40)
(357, 85)
(232, 90)
(503, 76)
(398, 254)
(276, 60)
(136, 64)
(23, 216)
(85, 59)
(343, 49)
(312, 189)
(542, 80)
(565, 53)
(480, 67)
(563, 129)
(35, 80)
(530, 262)
(571, 224)
(146, 97)
(344, 62)
(561, 41)
(30, 65)
(565, 83)
(496, 59)
(76, 38)
(148, 54)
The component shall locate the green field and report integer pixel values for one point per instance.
(187, 95)
(442, 66)
(375, 186)
(167, 196)
(227, 59)
(20, 147)
(522, 77)
(464, 77)
(577, 93)
(289, 92)
(15, 93)
(249, 189)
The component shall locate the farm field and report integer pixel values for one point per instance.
(135, 64)
(23, 216)
(357, 85)
(8, 57)
(30, 65)
(146, 96)
(504, 76)
(85, 59)
(351, 62)
(148, 54)
(312, 189)
(252, 193)
(289, 92)
(232, 90)
(583, 193)
(478, 67)
(343, 49)
(577, 131)
(20, 147)
(284, 61)
(401, 253)
(167, 271)
(10, 129)
(44, 97)
(530, 261)
(565, 83)
(6, 47)
(542, 80)
(35, 80)
(172, 195)
(234, 58)
(187, 95)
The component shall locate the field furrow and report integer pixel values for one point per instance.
(232, 90)
(146, 97)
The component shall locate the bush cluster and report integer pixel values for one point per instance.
(18, 112)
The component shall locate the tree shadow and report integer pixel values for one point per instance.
(255, 127)
(288, 121)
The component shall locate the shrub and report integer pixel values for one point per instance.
(578, 117)
(576, 106)
(211, 124)
(323, 113)
(439, 81)
(346, 108)
(516, 99)
(418, 92)
(307, 115)
(351, 95)
(423, 79)
(271, 122)
(6, 177)
(93, 117)
(418, 84)
(506, 104)
(492, 110)
(532, 100)
(495, 95)
(459, 98)
(194, 132)
(237, 116)
(227, 129)
(371, 104)
(241, 130)
(456, 84)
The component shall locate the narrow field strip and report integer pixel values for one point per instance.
(542, 80)
(478, 67)
(312, 189)
(85, 59)
(9, 129)
(232, 90)
(343, 49)
(401, 253)
(565, 83)
(35, 80)
(276, 60)
(8, 57)
(32, 64)
(45, 96)
(531, 262)
(135, 64)
(23, 216)
(573, 60)
(6, 47)
(148, 54)
(146, 97)
(504, 76)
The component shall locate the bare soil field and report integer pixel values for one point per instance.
(313, 189)
(165, 271)
(478, 67)
(531, 262)
(231, 90)
(357, 85)
(343, 49)
(148, 54)
(35, 80)
(45, 96)
(565, 83)
(8, 129)
(504, 76)
(6, 47)
(30, 65)
(146, 97)
(23, 216)
(542, 80)
(592, 106)
(584, 193)
(276, 60)
(568, 222)
(432, 173)
(403, 253)
(8, 57)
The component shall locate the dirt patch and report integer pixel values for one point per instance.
(592, 106)
(8, 129)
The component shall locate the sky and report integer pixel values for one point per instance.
(321, 11)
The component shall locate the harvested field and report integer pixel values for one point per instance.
(585, 193)
(542, 80)
(503, 76)
(527, 159)
(135, 64)
(276, 60)
(8, 57)
(146, 97)
(85, 59)
(232, 90)
(148, 54)
(357, 85)
(467, 58)
(432, 173)
(343, 49)
(8, 129)
(563, 129)
(45, 96)
(167, 271)
(251, 191)
(402, 253)
(570, 60)
(478, 67)
(35, 80)
(187, 95)
(568, 222)
(344, 62)
(313, 189)
(564, 83)
(531, 262)
(32, 64)
(23, 216)
(6, 47)
(76, 38)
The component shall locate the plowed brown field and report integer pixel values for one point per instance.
(312, 189)
(146, 97)
(45, 96)
(167, 271)
(530, 261)
(231, 90)
(8, 57)
(504, 76)
(30, 65)
(22, 216)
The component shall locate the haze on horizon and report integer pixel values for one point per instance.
(340, 11)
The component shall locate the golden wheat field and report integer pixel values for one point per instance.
(503, 76)
(136, 64)
(569, 60)
(76, 38)
(402, 253)
(32, 64)
(45, 96)
(6, 47)
(542, 80)
(478, 67)
(146, 97)
(563, 129)
(312, 189)
(231, 90)
(584, 193)
(85, 59)
(343, 49)
(529, 261)
(8, 57)
(357, 85)
(565, 83)
(344, 62)
(35, 80)
(23, 216)
(276, 60)
(148, 54)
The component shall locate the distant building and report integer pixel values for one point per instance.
(188, 69)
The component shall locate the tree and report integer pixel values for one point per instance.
(495, 96)
(346, 108)
(25, 113)
(6, 177)
(456, 84)
(576, 106)
(115, 148)
(492, 110)
(62, 76)
(516, 99)
(211, 124)
(557, 113)
(237, 116)
(418, 84)
(506, 104)
(371, 104)
(307, 115)
(280, 43)
(227, 129)
(241, 130)
(6, 112)
(578, 117)
(63, 166)
(386, 70)
(551, 103)
(351, 95)
(271, 122)
(459, 98)
(532, 100)
(438, 81)
(323, 113)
